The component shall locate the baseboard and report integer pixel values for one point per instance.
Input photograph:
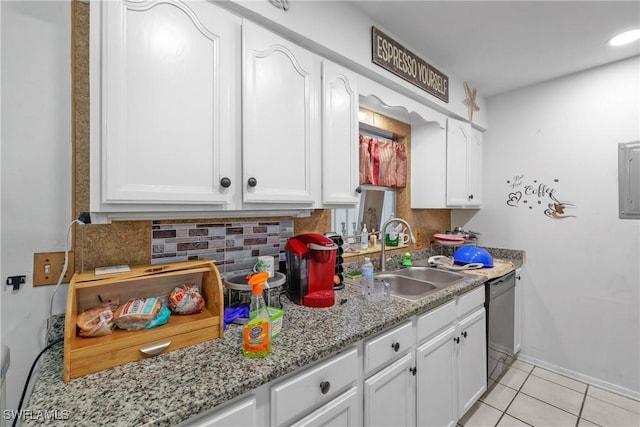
(581, 377)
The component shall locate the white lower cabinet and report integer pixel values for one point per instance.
(427, 371)
(436, 380)
(388, 395)
(517, 327)
(344, 410)
(315, 396)
(472, 360)
(240, 414)
(451, 360)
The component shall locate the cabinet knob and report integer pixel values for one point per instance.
(252, 182)
(225, 182)
(457, 340)
(324, 387)
(413, 371)
(395, 346)
(470, 196)
(464, 334)
(358, 189)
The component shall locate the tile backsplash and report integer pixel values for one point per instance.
(233, 246)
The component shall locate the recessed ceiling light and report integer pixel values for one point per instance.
(625, 38)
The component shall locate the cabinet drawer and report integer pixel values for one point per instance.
(122, 349)
(384, 348)
(470, 301)
(435, 320)
(304, 392)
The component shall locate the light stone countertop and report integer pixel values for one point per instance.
(170, 388)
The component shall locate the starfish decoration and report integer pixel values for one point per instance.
(470, 101)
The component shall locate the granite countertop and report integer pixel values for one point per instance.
(170, 388)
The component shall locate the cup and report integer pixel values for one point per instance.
(391, 239)
(378, 291)
(403, 238)
(265, 263)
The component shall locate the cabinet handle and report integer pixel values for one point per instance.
(155, 349)
(464, 334)
(359, 190)
(252, 182)
(324, 387)
(395, 346)
(225, 182)
(457, 340)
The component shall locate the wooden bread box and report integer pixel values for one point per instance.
(86, 355)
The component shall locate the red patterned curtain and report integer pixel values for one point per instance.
(382, 162)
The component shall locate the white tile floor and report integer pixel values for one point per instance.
(527, 395)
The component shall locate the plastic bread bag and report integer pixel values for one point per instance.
(96, 321)
(185, 299)
(137, 312)
(161, 318)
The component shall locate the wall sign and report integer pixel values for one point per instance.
(537, 195)
(393, 57)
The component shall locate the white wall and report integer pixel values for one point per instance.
(581, 285)
(35, 166)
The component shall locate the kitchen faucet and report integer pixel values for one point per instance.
(412, 239)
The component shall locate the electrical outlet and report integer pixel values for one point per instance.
(47, 267)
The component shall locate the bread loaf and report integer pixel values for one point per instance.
(136, 313)
(95, 322)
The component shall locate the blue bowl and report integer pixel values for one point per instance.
(473, 254)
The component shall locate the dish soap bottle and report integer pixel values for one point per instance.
(256, 335)
(364, 238)
(406, 262)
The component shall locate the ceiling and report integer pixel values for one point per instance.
(497, 46)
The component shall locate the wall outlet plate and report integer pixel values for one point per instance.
(47, 267)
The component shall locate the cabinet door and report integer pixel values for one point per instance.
(517, 313)
(340, 160)
(464, 165)
(472, 360)
(458, 133)
(164, 82)
(389, 395)
(343, 411)
(474, 169)
(428, 165)
(241, 414)
(281, 120)
(436, 381)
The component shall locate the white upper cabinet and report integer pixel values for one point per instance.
(340, 163)
(281, 120)
(164, 112)
(464, 165)
(428, 165)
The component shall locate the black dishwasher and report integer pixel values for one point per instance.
(500, 313)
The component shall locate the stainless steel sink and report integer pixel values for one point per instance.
(434, 275)
(415, 283)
